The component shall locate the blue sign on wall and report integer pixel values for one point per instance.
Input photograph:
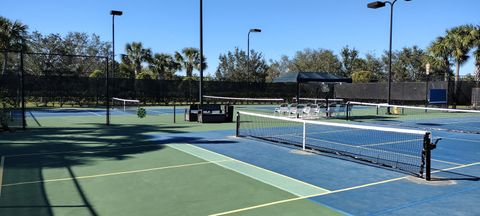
(437, 96)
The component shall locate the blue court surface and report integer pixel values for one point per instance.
(355, 188)
(92, 112)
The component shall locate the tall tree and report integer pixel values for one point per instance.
(164, 66)
(375, 66)
(233, 67)
(407, 64)
(460, 41)
(361, 76)
(439, 56)
(277, 67)
(321, 60)
(74, 43)
(189, 60)
(476, 53)
(350, 61)
(12, 37)
(135, 55)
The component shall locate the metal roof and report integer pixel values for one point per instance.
(303, 77)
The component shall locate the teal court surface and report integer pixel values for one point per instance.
(69, 163)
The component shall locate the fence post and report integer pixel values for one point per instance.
(22, 72)
(107, 94)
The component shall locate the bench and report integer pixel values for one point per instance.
(209, 113)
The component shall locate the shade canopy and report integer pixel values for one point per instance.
(303, 77)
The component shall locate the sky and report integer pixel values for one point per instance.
(287, 26)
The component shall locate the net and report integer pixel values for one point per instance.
(318, 100)
(401, 149)
(429, 118)
(238, 100)
(125, 105)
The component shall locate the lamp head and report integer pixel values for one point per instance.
(376, 4)
(116, 13)
(255, 30)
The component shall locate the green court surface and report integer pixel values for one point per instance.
(78, 166)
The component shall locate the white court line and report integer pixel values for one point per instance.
(332, 192)
(460, 122)
(283, 182)
(392, 142)
(460, 139)
(155, 111)
(114, 173)
(2, 160)
(94, 113)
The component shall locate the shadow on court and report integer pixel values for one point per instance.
(454, 176)
(28, 154)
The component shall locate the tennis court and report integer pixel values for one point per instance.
(430, 118)
(72, 164)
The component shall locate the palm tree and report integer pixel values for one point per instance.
(12, 37)
(476, 54)
(136, 55)
(460, 40)
(164, 65)
(190, 60)
(440, 56)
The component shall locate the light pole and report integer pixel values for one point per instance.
(200, 84)
(114, 13)
(427, 72)
(248, 50)
(379, 4)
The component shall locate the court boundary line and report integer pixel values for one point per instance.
(115, 173)
(95, 113)
(35, 118)
(258, 168)
(154, 111)
(2, 161)
(459, 139)
(263, 169)
(335, 191)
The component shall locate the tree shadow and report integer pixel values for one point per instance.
(29, 153)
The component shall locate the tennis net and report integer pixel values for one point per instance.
(401, 149)
(125, 105)
(429, 118)
(318, 100)
(239, 100)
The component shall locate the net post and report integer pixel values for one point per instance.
(347, 117)
(304, 137)
(174, 113)
(428, 156)
(237, 131)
